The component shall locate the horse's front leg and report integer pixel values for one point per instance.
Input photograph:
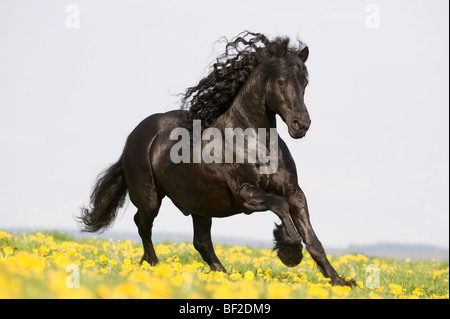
(299, 213)
(255, 200)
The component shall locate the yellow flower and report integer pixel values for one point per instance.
(249, 291)
(268, 277)
(144, 266)
(103, 290)
(40, 236)
(219, 276)
(38, 267)
(226, 291)
(277, 290)
(300, 279)
(194, 295)
(341, 291)
(62, 261)
(43, 250)
(103, 258)
(57, 285)
(176, 266)
(162, 249)
(139, 276)
(177, 280)
(126, 266)
(418, 292)
(396, 289)
(202, 276)
(438, 273)
(174, 258)
(236, 276)
(158, 288)
(249, 275)
(126, 290)
(161, 270)
(104, 270)
(4, 234)
(315, 291)
(8, 251)
(374, 296)
(321, 277)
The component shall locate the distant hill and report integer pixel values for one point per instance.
(400, 251)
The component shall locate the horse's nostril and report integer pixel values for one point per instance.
(297, 124)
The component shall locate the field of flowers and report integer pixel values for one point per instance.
(55, 265)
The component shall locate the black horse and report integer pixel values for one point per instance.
(253, 81)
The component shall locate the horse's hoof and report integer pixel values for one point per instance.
(290, 255)
(342, 282)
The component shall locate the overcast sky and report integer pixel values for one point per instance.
(374, 165)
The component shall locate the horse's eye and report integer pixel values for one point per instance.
(280, 82)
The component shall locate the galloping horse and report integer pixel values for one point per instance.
(252, 82)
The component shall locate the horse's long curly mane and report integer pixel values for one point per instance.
(214, 94)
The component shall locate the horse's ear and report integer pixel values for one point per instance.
(303, 55)
(281, 50)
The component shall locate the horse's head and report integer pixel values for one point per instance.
(285, 88)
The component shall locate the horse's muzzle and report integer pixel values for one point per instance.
(298, 128)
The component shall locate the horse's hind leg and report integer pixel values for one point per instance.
(138, 157)
(144, 221)
(203, 243)
(148, 201)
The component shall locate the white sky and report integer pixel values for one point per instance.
(374, 164)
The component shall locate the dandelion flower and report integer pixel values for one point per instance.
(249, 275)
(8, 251)
(4, 234)
(105, 270)
(396, 289)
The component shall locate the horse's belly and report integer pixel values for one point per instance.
(196, 188)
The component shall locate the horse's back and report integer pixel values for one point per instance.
(137, 147)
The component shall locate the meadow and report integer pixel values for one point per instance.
(57, 265)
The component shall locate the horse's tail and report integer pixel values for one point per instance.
(107, 197)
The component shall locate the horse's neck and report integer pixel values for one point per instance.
(248, 108)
